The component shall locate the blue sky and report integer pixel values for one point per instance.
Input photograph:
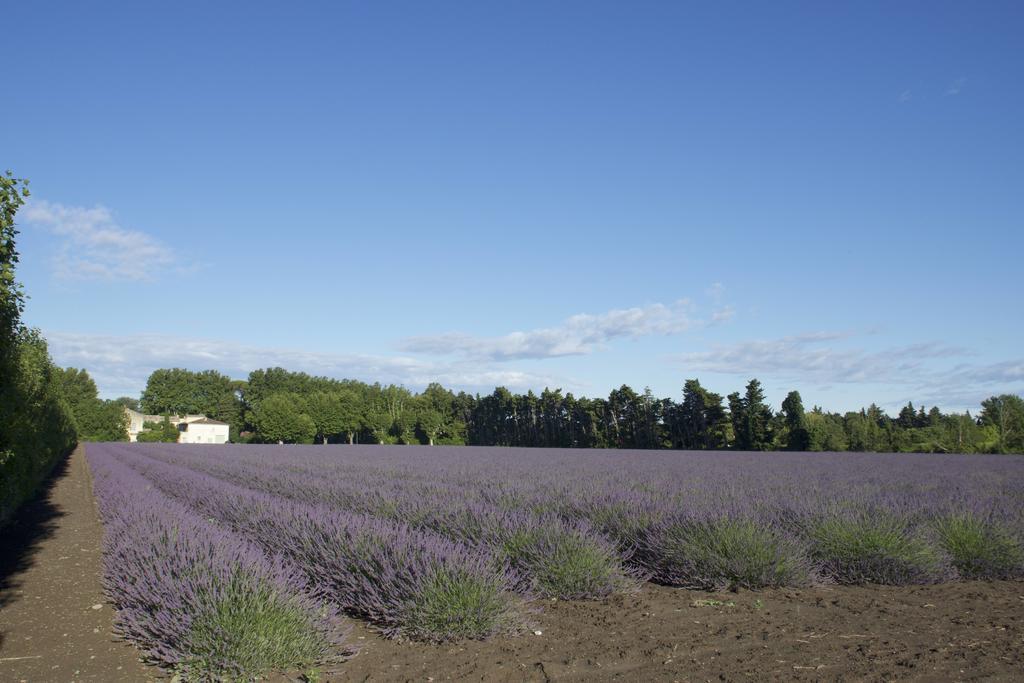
(826, 196)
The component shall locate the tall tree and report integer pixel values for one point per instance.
(128, 402)
(36, 427)
(350, 418)
(379, 421)
(95, 419)
(430, 422)
(327, 413)
(751, 418)
(281, 418)
(13, 192)
(1005, 415)
(797, 437)
(699, 421)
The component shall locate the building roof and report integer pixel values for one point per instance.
(207, 421)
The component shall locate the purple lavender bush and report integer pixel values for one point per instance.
(392, 575)
(716, 553)
(200, 599)
(565, 560)
(384, 532)
(557, 558)
(878, 548)
(980, 548)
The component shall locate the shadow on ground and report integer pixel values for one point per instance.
(20, 539)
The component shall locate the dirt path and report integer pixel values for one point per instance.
(50, 566)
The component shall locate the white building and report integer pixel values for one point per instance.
(203, 430)
(191, 428)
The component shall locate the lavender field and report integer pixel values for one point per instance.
(214, 551)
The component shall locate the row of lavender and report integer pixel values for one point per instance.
(584, 524)
(401, 579)
(437, 544)
(198, 598)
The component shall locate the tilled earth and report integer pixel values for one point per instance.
(960, 631)
(56, 626)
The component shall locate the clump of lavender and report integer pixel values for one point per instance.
(718, 553)
(567, 561)
(251, 628)
(200, 599)
(874, 548)
(980, 549)
(455, 604)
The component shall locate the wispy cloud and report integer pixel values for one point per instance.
(94, 246)
(578, 335)
(906, 96)
(715, 292)
(955, 87)
(931, 372)
(724, 314)
(811, 358)
(121, 364)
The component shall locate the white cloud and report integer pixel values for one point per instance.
(955, 87)
(578, 335)
(906, 96)
(94, 246)
(922, 370)
(809, 358)
(120, 365)
(1004, 372)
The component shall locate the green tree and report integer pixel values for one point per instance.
(908, 417)
(797, 437)
(36, 426)
(825, 431)
(327, 413)
(281, 419)
(95, 419)
(699, 421)
(1004, 414)
(751, 418)
(128, 402)
(379, 421)
(159, 432)
(176, 391)
(430, 422)
(13, 192)
(108, 422)
(350, 419)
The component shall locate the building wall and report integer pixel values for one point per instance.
(203, 433)
(135, 420)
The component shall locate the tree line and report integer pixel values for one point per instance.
(275, 405)
(44, 409)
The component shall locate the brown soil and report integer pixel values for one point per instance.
(50, 570)
(50, 580)
(958, 631)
